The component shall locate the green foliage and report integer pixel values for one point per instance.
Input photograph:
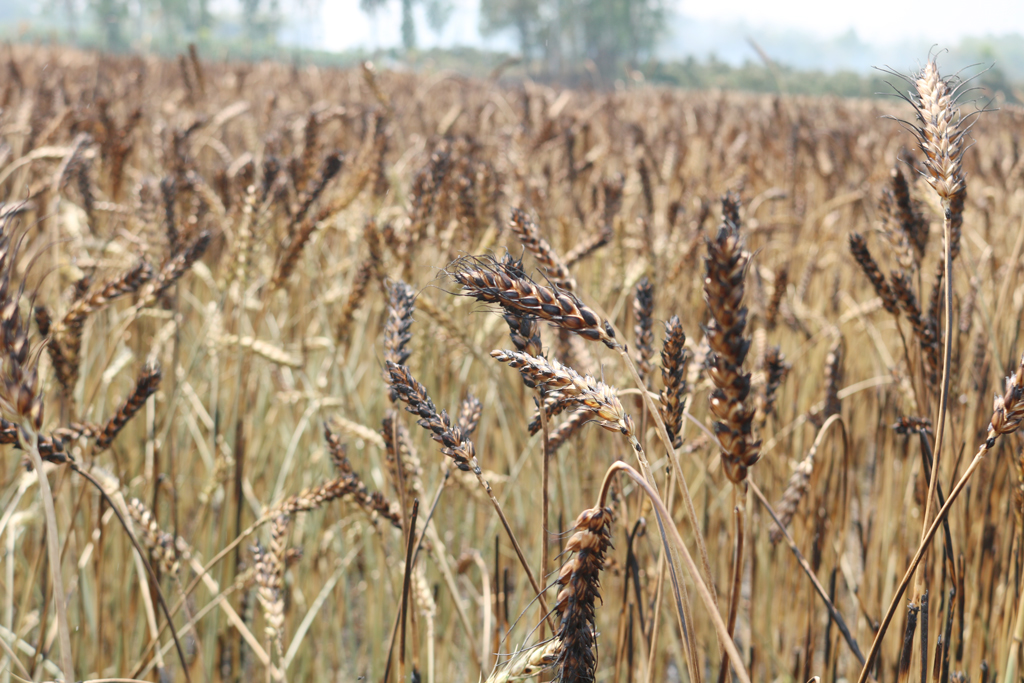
(112, 17)
(261, 20)
(408, 26)
(757, 77)
(611, 34)
(521, 15)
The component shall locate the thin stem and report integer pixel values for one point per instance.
(655, 629)
(810, 574)
(891, 612)
(734, 593)
(691, 566)
(145, 563)
(683, 612)
(940, 424)
(663, 435)
(405, 587)
(1015, 642)
(545, 477)
(519, 551)
(14, 659)
(201, 572)
(31, 445)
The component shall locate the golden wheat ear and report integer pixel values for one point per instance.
(568, 388)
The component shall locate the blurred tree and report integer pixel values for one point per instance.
(62, 12)
(260, 20)
(112, 17)
(408, 22)
(524, 16)
(610, 33)
(408, 26)
(182, 21)
(439, 13)
(614, 33)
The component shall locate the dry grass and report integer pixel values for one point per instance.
(201, 264)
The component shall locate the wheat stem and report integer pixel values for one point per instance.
(663, 435)
(702, 588)
(30, 443)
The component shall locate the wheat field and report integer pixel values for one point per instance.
(314, 374)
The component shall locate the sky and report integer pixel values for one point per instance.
(343, 25)
(346, 26)
(875, 21)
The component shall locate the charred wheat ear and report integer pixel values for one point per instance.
(566, 430)
(776, 368)
(304, 164)
(490, 281)
(372, 503)
(906, 213)
(675, 360)
(44, 321)
(611, 203)
(20, 393)
(643, 323)
(401, 450)
(725, 270)
(551, 264)
(859, 249)
(179, 264)
(450, 436)
(369, 269)
(566, 386)
(1008, 409)
(330, 168)
(833, 379)
(925, 332)
(146, 386)
(778, 291)
(579, 578)
(456, 446)
(357, 294)
(401, 306)
(51, 448)
(66, 341)
(304, 225)
(524, 330)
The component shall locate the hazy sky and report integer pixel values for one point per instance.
(343, 25)
(876, 21)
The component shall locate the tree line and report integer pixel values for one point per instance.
(558, 37)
